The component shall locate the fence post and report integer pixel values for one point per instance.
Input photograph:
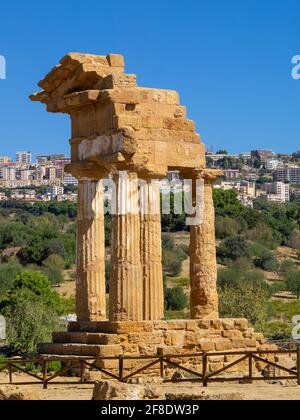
(10, 373)
(298, 365)
(82, 371)
(45, 369)
(250, 368)
(121, 367)
(204, 366)
(162, 373)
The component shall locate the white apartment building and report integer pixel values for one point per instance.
(56, 191)
(70, 180)
(24, 158)
(278, 191)
(244, 188)
(5, 159)
(273, 164)
(8, 173)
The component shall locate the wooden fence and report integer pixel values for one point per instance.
(204, 377)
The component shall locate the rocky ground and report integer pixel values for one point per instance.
(85, 392)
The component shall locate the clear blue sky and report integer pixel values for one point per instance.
(229, 60)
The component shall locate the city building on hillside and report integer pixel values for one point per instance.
(296, 194)
(215, 157)
(246, 190)
(262, 155)
(28, 195)
(70, 180)
(8, 173)
(232, 173)
(24, 158)
(52, 158)
(55, 191)
(288, 174)
(5, 159)
(277, 191)
(273, 164)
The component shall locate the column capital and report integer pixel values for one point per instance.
(87, 170)
(209, 175)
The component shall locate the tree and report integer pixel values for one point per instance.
(38, 284)
(29, 321)
(264, 259)
(293, 283)
(263, 235)
(245, 300)
(233, 247)
(53, 268)
(8, 273)
(227, 204)
(175, 299)
(234, 278)
(226, 226)
(294, 242)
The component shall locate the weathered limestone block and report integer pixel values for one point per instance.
(90, 283)
(223, 344)
(111, 391)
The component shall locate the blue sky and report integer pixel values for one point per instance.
(229, 60)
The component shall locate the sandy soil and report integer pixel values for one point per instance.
(67, 289)
(84, 392)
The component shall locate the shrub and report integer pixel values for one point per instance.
(293, 283)
(226, 226)
(263, 235)
(233, 248)
(245, 300)
(8, 273)
(184, 281)
(53, 268)
(175, 299)
(287, 266)
(39, 286)
(29, 321)
(276, 330)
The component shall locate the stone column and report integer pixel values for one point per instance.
(90, 286)
(203, 265)
(151, 251)
(126, 281)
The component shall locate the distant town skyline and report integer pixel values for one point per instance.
(231, 63)
(12, 154)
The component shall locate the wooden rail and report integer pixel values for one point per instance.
(45, 377)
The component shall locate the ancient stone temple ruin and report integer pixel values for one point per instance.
(131, 133)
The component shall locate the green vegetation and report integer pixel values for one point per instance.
(175, 299)
(173, 255)
(31, 308)
(37, 246)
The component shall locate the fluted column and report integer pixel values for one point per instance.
(203, 265)
(90, 285)
(151, 251)
(126, 284)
